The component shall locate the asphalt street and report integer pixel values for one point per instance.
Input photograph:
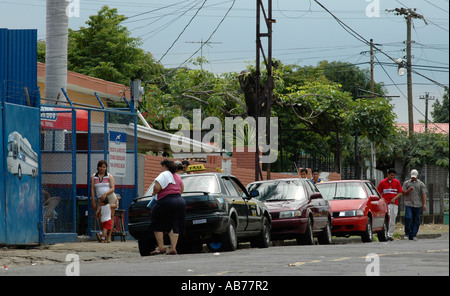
(398, 258)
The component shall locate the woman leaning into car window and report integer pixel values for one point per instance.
(170, 209)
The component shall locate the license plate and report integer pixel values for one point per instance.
(200, 221)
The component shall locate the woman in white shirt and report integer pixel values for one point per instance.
(102, 184)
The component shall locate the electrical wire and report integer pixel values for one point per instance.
(363, 40)
(182, 31)
(201, 46)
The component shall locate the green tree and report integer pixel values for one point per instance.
(440, 111)
(352, 78)
(413, 151)
(41, 51)
(185, 90)
(105, 49)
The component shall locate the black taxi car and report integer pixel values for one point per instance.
(219, 212)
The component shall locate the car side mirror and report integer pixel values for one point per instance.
(316, 195)
(374, 198)
(254, 193)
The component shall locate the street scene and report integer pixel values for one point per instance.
(230, 141)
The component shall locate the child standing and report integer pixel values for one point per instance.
(106, 220)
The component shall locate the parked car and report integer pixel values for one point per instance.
(297, 208)
(219, 212)
(358, 209)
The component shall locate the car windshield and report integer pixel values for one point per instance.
(279, 190)
(338, 190)
(200, 183)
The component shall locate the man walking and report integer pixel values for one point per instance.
(415, 201)
(391, 189)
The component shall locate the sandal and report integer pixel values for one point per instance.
(99, 238)
(158, 252)
(172, 253)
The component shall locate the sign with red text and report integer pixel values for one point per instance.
(117, 154)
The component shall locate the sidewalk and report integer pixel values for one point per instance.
(88, 250)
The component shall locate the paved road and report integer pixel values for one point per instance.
(405, 258)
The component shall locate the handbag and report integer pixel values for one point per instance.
(152, 201)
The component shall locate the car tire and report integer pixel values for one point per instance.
(263, 238)
(307, 238)
(383, 234)
(146, 246)
(325, 236)
(367, 236)
(230, 241)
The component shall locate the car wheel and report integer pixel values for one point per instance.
(146, 246)
(307, 238)
(263, 239)
(383, 234)
(230, 241)
(367, 236)
(325, 236)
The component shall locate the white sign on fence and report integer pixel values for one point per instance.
(117, 154)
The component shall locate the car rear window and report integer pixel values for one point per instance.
(279, 190)
(333, 191)
(201, 183)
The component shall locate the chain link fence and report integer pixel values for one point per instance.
(57, 169)
(69, 159)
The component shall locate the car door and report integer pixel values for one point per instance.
(317, 206)
(376, 207)
(238, 203)
(254, 213)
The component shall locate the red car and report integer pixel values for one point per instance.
(297, 209)
(357, 208)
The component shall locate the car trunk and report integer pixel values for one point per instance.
(200, 203)
(196, 203)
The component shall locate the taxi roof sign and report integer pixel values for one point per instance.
(195, 168)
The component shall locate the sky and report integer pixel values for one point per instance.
(304, 34)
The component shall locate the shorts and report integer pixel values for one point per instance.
(107, 225)
(168, 214)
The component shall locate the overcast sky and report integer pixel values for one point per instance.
(304, 34)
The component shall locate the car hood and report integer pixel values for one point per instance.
(346, 205)
(286, 205)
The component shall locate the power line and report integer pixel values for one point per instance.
(209, 38)
(363, 40)
(182, 31)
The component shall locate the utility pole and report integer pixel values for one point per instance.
(373, 159)
(409, 14)
(372, 80)
(269, 84)
(426, 98)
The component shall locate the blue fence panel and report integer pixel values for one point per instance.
(18, 67)
(22, 178)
